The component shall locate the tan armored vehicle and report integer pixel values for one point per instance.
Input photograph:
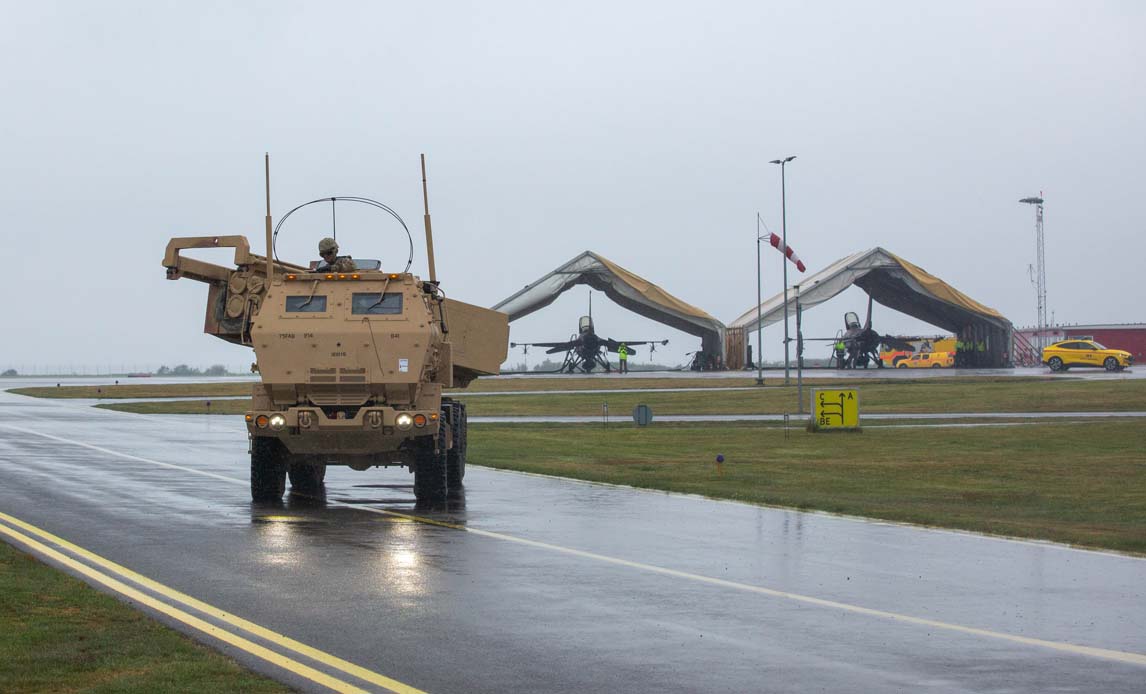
(352, 364)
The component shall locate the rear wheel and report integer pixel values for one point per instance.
(268, 469)
(937, 366)
(307, 479)
(1055, 364)
(1111, 364)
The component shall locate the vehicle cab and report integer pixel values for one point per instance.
(359, 354)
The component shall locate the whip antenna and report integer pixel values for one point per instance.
(429, 233)
(270, 262)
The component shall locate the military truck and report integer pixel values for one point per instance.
(352, 364)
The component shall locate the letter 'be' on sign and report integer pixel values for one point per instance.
(835, 410)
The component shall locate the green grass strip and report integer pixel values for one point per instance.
(1080, 483)
(61, 635)
(891, 397)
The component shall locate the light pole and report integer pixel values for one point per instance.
(1041, 273)
(784, 222)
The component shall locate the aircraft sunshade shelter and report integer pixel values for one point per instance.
(899, 285)
(622, 286)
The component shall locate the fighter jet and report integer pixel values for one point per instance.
(862, 343)
(587, 351)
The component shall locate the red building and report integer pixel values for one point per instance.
(1128, 336)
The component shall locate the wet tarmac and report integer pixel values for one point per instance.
(536, 584)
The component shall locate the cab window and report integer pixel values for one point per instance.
(389, 304)
(305, 304)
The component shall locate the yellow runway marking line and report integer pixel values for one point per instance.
(1091, 651)
(235, 621)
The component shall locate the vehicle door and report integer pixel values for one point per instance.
(1075, 354)
(1091, 355)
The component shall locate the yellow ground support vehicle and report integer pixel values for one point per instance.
(928, 360)
(352, 364)
(1063, 355)
(891, 356)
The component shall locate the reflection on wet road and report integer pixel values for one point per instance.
(536, 584)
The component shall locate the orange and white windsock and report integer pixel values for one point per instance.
(778, 244)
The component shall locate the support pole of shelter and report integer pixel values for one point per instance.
(799, 354)
(759, 319)
(270, 259)
(429, 233)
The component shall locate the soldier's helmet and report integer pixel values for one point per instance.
(326, 245)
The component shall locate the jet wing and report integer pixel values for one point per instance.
(613, 345)
(553, 347)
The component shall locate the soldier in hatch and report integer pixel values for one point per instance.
(331, 261)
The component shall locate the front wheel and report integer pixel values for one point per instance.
(901, 366)
(1111, 364)
(1056, 364)
(268, 469)
(456, 457)
(431, 467)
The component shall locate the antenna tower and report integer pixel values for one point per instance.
(1040, 279)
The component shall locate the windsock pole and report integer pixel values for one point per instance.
(270, 261)
(429, 233)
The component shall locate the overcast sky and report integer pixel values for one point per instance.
(641, 131)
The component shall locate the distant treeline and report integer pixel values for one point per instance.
(179, 370)
(184, 370)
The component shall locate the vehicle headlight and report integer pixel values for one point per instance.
(404, 421)
(277, 421)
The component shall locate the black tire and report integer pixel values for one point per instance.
(268, 469)
(1055, 364)
(430, 471)
(307, 479)
(937, 366)
(456, 457)
(1111, 364)
(901, 366)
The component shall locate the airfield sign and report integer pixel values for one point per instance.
(835, 410)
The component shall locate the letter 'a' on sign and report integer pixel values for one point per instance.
(835, 410)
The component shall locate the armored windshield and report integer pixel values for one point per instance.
(373, 303)
(305, 304)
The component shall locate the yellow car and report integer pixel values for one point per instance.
(1062, 355)
(928, 360)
